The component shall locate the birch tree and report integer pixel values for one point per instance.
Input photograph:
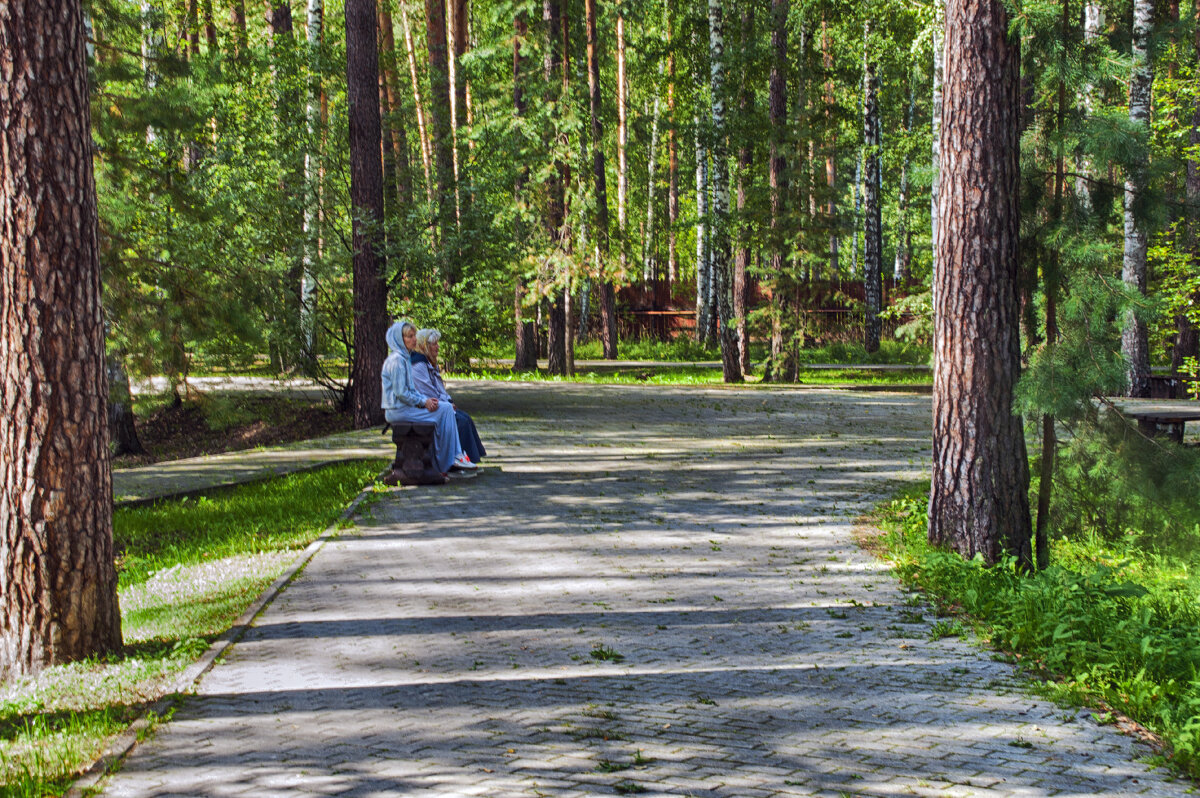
(1134, 336)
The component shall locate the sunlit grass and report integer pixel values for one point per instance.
(188, 569)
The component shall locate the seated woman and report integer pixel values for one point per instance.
(403, 402)
(429, 381)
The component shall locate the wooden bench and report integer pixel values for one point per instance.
(1160, 421)
(415, 463)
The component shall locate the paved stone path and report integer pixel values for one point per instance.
(648, 591)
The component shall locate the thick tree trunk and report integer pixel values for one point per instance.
(366, 198)
(608, 305)
(979, 501)
(873, 221)
(731, 367)
(443, 143)
(56, 551)
(1135, 345)
(782, 366)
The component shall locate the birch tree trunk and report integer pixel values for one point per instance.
(366, 200)
(741, 260)
(315, 23)
(935, 191)
(979, 501)
(649, 261)
(722, 276)
(873, 222)
(1134, 336)
(56, 550)
(704, 309)
(1093, 23)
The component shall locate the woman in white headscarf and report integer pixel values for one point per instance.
(403, 402)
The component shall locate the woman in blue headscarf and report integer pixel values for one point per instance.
(403, 402)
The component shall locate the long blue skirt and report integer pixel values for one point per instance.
(468, 436)
(445, 442)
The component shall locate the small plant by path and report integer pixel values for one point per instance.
(188, 569)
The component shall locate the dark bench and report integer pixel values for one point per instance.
(1161, 422)
(415, 463)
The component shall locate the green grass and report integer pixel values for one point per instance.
(685, 375)
(1106, 623)
(188, 569)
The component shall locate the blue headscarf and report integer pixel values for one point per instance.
(395, 337)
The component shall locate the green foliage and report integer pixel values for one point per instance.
(1114, 624)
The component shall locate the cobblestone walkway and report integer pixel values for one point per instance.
(648, 591)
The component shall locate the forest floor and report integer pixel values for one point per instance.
(648, 590)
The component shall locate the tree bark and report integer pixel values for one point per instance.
(622, 146)
(939, 70)
(315, 18)
(556, 65)
(422, 128)
(873, 221)
(901, 264)
(781, 365)
(459, 38)
(1135, 345)
(741, 261)
(704, 311)
(979, 500)
(443, 143)
(672, 154)
(122, 425)
(366, 198)
(722, 274)
(391, 101)
(831, 155)
(56, 551)
(608, 305)
(524, 331)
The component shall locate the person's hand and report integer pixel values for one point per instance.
(431, 405)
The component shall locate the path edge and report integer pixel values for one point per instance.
(120, 747)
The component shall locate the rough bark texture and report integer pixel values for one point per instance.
(873, 220)
(366, 198)
(524, 331)
(554, 64)
(979, 501)
(672, 154)
(443, 142)
(56, 552)
(781, 366)
(608, 304)
(1135, 344)
(731, 366)
(122, 425)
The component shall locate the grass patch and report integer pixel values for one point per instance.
(188, 569)
(1107, 623)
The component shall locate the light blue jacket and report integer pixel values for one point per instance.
(399, 390)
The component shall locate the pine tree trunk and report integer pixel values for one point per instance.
(366, 198)
(443, 143)
(979, 500)
(524, 331)
(393, 121)
(741, 261)
(873, 221)
(459, 98)
(672, 155)
(722, 273)
(1135, 345)
(622, 146)
(649, 262)
(556, 67)
(56, 550)
(608, 305)
(831, 156)
(781, 365)
(122, 426)
(422, 128)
